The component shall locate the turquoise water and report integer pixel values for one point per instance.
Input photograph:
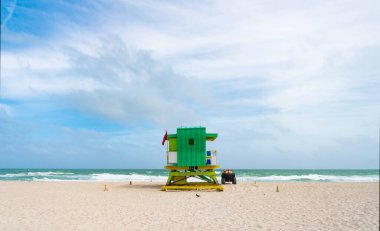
(160, 175)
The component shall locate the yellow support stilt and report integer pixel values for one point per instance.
(192, 187)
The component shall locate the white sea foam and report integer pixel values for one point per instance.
(13, 175)
(48, 173)
(130, 177)
(26, 174)
(49, 179)
(95, 177)
(312, 177)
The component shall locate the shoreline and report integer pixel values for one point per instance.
(160, 175)
(31, 205)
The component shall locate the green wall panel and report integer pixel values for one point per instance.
(191, 145)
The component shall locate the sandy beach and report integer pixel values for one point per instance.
(142, 206)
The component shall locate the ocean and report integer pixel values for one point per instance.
(160, 175)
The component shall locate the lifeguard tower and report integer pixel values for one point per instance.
(187, 158)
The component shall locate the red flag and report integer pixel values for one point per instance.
(165, 137)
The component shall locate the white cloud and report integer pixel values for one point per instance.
(224, 40)
(278, 80)
(115, 81)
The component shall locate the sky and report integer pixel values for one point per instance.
(96, 83)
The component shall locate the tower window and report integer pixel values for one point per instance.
(191, 141)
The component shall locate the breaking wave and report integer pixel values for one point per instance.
(312, 177)
(157, 175)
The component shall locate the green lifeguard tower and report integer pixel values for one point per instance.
(187, 158)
